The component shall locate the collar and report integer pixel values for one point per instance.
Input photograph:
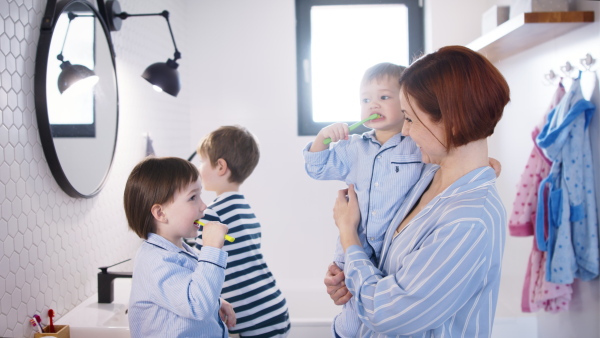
(163, 243)
(228, 194)
(472, 180)
(395, 140)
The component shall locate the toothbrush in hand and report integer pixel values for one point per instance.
(356, 125)
(227, 237)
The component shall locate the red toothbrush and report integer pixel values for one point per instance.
(51, 326)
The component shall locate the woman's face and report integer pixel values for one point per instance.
(428, 135)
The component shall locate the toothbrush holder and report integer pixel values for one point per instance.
(62, 331)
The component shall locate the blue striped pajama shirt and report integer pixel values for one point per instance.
(382, 175)
(174, 292)
(440, 276)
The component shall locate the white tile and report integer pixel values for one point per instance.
(20, 280)
(18, 244)
(4, 172)
(11, 191)
(14, 263)
(13, 225)
(25, 296)
(9, 249)
(11, 318)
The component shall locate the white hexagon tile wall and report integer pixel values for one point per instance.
(51, 244)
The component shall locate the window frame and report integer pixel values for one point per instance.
(306, 125)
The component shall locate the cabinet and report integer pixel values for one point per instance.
(527, 30)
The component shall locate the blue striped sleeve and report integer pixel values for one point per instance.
(189, 295)
(330, 164)
(434, 282)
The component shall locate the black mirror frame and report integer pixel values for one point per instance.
(54, 7)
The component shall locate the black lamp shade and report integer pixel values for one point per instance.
(165, 76)
(71, 74)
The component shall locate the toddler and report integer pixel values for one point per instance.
(382, 163)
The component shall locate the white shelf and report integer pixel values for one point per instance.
(528, 30)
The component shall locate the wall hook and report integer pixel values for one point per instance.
(588, 61)
(551, 75)
(567, 68)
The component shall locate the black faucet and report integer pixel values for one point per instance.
(105, 282)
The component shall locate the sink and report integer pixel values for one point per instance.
(91, 319)
(118, 319)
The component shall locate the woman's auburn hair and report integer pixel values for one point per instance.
(459, 87)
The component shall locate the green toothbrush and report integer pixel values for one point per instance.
(354, 126)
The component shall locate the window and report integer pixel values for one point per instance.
(336, 41)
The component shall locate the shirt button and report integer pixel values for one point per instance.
(372, 238)
(374, 213)
(379, 156)
(376, 184)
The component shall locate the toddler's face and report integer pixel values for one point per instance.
(186, 208)
(381, 96)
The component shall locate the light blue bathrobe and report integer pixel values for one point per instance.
(572, 242)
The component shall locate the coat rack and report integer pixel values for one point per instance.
(567, 69)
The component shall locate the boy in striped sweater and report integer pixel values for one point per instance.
(228, 156)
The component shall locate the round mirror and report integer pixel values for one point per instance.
(76, 96)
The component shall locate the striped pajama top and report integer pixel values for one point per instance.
(440, 276)
(250, 287)
(382, 175)
(174, 292)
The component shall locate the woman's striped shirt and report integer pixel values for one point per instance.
(440, 276)
(250, 287)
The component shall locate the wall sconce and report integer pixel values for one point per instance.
(72, 74)
(162, 75)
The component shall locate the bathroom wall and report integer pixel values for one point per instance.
(51, 244)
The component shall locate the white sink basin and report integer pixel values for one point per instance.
(93, 320)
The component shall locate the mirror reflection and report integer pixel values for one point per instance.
(80, 100)
(71, 99)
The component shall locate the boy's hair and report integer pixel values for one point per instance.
(154, 180)
(234, 144)
(382, 70)
(459, 87)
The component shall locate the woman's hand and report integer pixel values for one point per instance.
(227, 314)
(495, 164)
(347, 216)
(336, 287)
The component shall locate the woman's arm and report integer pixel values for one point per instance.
(430, 286)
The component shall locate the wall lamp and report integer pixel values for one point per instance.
(162, 75)
(74, 73)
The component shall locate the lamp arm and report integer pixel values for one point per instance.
(164, 14)
(71, 16)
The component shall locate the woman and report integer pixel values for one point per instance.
(439, 272)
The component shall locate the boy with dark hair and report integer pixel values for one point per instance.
(175, 292)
